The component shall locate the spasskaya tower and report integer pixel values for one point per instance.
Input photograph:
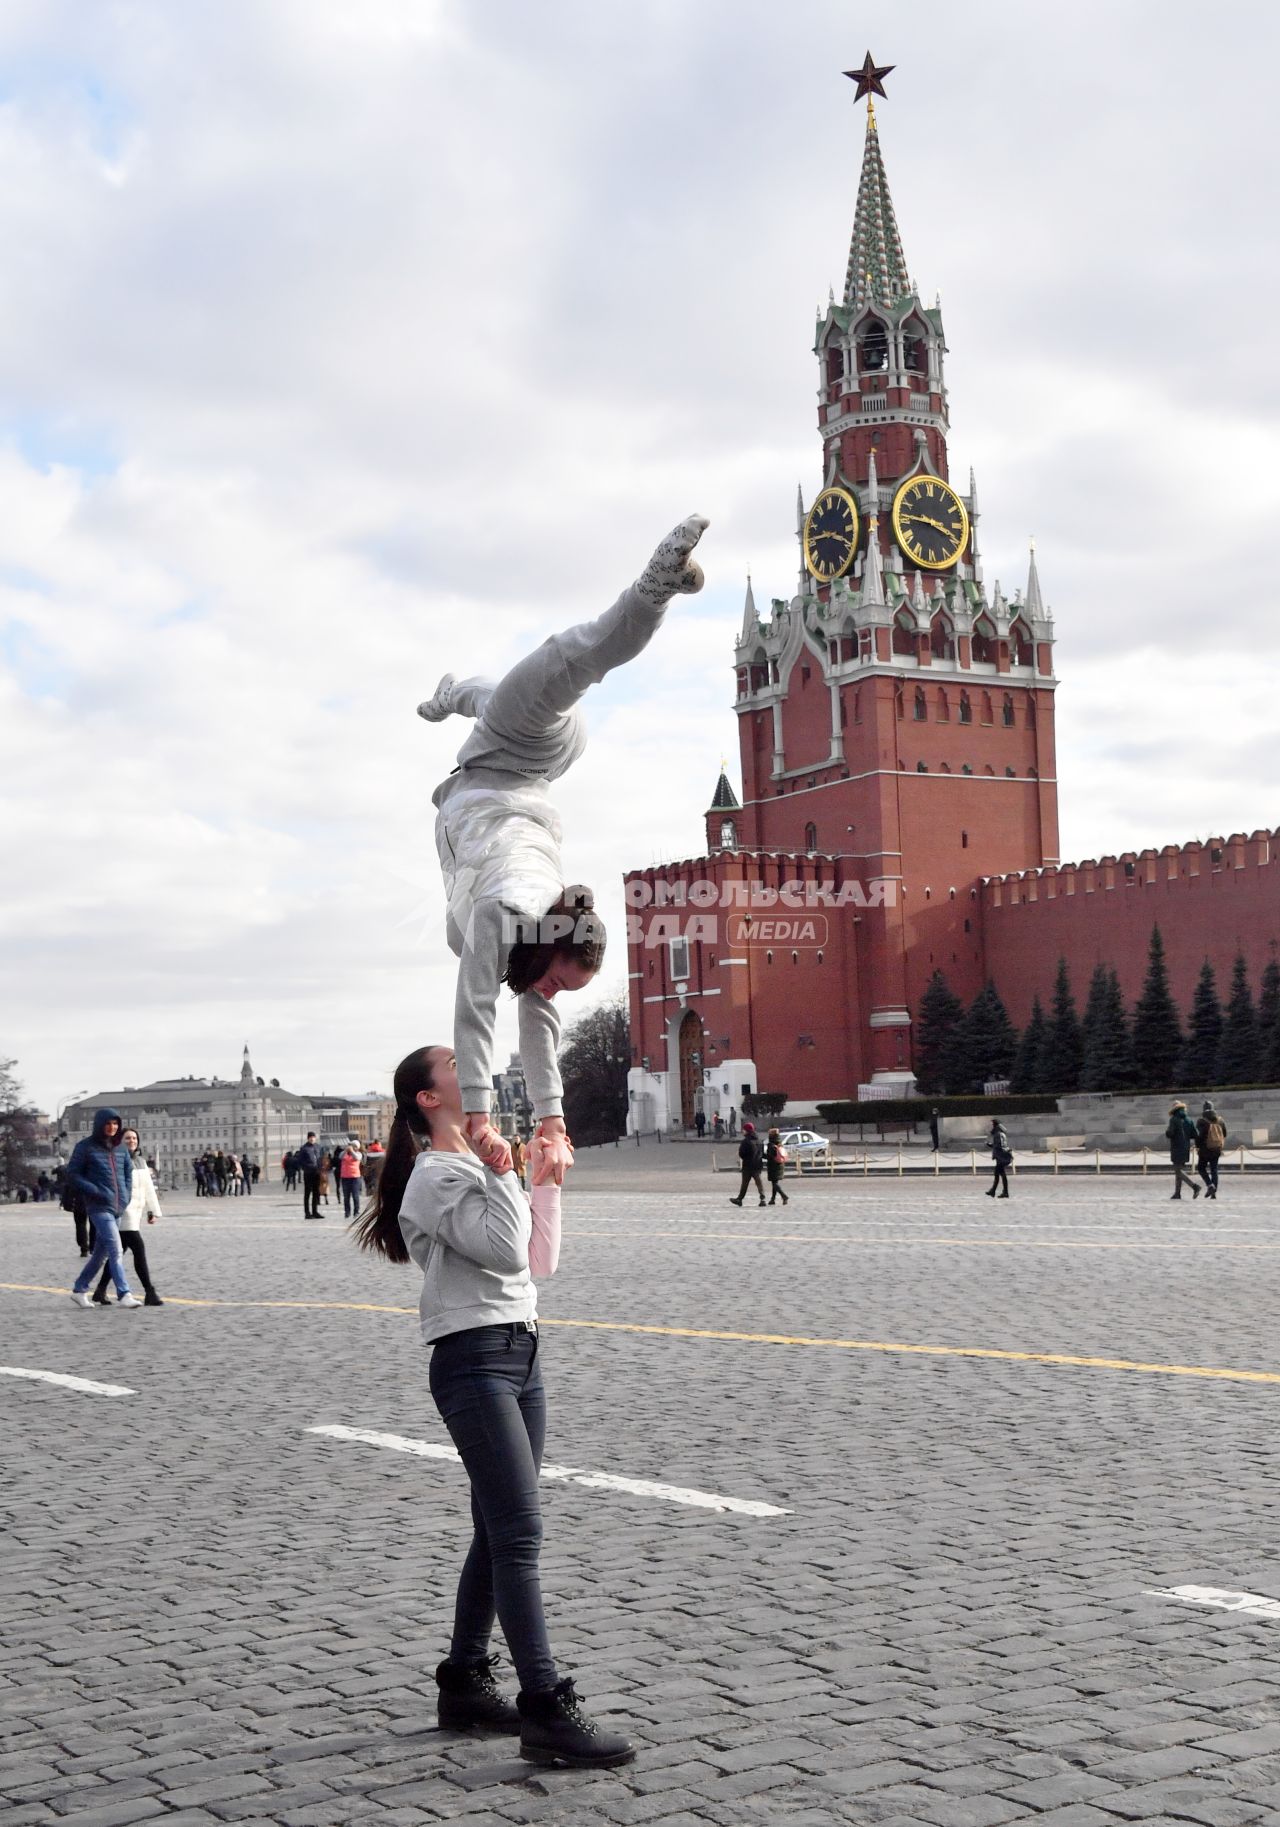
(896, 741)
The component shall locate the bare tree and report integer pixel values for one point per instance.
(593, 1064)
(17, 1131)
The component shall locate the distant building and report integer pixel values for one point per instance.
(179, 1118)
(511, 1105)
(362, 1119)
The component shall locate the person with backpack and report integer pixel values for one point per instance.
(1211, 1139)
(1002, 1157)
(751, 1155)
(1180, 1133)
(101, 1171)
(775, 1159)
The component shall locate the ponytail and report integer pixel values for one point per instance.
(378, 1227)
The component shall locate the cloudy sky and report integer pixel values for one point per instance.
(344, 341)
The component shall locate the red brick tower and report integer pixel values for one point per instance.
(895, 725)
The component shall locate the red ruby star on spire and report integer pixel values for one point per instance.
(870, 78)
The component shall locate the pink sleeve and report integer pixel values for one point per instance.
(544, 1244)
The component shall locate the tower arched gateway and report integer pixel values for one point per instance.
(866, 776)
(693, 1051)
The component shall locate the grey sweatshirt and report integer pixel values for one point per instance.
(468, 1230)
(498, 835)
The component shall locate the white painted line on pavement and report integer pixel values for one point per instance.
(55, 1376)
(595, 1481)
(1252, 1602)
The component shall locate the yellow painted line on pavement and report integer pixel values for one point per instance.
(920, 1243)
(892, 1347)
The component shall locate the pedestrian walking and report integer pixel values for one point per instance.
(102, 1172)
(775, 1159)
(248, 1175)
(933, 1129)
(306, 1161)
(1002, 1158)
(351, 1180)
(74, 1202)
(289, 1169)
(1211, 1139)
(1180, 1134)
(751, 1155)
(700, 1123)
(717, 1127)
(510, 917)
(479, 1243)
(235, 1175)
(733, 1122)
(326, 1173)
(144, 1203)
(375, 1155)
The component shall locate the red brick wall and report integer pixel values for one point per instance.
(1095, 913)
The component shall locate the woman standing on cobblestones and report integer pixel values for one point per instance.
(143, 1202)
(478, 1242)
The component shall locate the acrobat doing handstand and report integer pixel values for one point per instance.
(510, 918)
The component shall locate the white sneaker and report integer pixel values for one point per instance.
(440, 704)
(81, 1300)
(128, 1300)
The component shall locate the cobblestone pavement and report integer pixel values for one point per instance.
(210, 1614)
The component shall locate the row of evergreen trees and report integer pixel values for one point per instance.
(958, 1050)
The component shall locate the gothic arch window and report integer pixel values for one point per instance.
(811, 838)
(728, 834)
(966, 769)
(984, 641)
(944, 707)
(966, 708)
(1010, 774)
(835, 363)
(1020, 641)
(904, 632)
(922, 767)
(1006, 710)
(915, 349)
(989, 770)
(942, 637)
(873, 349)
(988, 715)
(1031, 711)
(920, 709)
(759, 669)
(944, 767)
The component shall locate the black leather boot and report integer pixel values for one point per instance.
(555, 1730)
(470, 1699)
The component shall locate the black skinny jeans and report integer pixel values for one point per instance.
(488, 1388)
(311, 1192)
(131, 1241)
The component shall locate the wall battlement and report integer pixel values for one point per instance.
(1134, 869)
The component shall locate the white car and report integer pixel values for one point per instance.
(803, 1142)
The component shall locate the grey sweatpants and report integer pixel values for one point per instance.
(528, 726)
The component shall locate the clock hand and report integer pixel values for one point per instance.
(922, 520)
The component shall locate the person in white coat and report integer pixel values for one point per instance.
(510, 917)
(144, 1203)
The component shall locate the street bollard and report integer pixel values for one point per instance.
(1097, 1160)
(973, 1160)
(1055, 1160)
(899, 1160)
(1242, 1157)
(1145, 1153)
(866, 1163)
(935, 1164)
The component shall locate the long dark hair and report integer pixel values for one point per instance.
(570, 929)
(378, 1226)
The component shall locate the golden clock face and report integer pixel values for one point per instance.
(929, 522)
(831, 534)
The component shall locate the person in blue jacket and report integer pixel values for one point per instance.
(102, 1173)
